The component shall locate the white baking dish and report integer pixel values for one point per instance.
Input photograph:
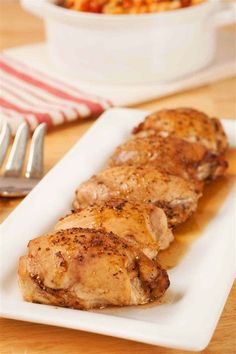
(132, 48)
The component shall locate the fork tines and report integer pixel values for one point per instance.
(12, 181)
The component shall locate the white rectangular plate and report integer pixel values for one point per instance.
(200, 283)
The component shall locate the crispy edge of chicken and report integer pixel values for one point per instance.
(144, 224)
(188, 124)
(176, 196)
(85, 269)
(170, 155)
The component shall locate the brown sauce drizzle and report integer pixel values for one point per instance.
(214, 195)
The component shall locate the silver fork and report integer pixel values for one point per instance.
(12, 182)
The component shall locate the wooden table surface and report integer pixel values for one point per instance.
(17, 28)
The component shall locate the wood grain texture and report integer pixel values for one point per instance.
(16, 28)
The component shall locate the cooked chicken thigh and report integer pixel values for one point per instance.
(144, 224)
(177, 196)
(170, 155)
(188, 124)
(105, 252)
(85, 269)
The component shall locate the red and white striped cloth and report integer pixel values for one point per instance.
(32, 96)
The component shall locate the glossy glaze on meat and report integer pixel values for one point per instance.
(175, 195)
(85, 269)
(105, 252)
(170, 155)
(144, 224)
(188, 124)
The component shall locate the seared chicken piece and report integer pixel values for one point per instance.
(144, 224)
(85, 269)
(188, 124)
(170, 155)
(177, 196)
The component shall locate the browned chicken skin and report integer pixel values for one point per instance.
(188, 124)
(177, 196)
(144, 224)
(104, 253)
(85, 269)
(170, 155)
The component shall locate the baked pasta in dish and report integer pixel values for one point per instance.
(115, 7)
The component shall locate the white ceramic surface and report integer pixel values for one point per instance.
(132, 48)
(199, 284)
(126, 95)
